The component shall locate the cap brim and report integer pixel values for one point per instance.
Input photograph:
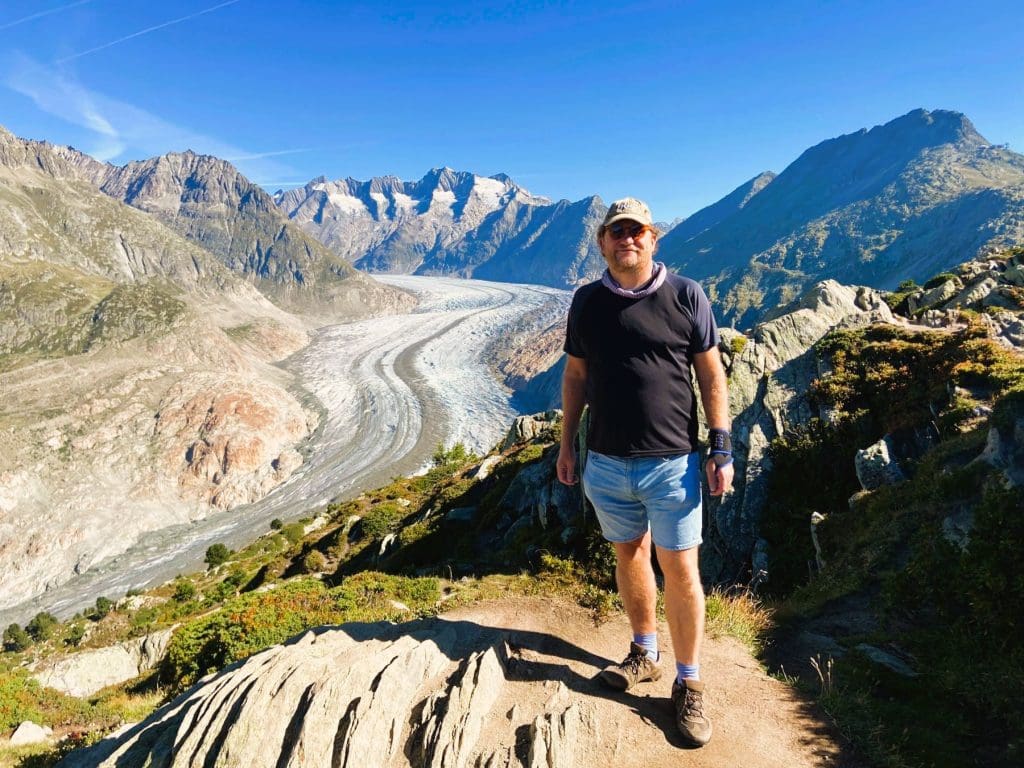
(626, 217)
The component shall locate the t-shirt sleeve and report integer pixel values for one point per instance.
(573, 345)
(705, 330)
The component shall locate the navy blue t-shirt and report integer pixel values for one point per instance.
(638, 354)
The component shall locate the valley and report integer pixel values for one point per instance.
(389, 390)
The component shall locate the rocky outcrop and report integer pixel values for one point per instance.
(503, 684)
(992, 285)
(339, 696)
(229, 442)
(1004, 451)
(769, 373)
(83, 674)
(530, 427)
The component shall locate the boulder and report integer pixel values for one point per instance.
(876, 466)
(30, 733)
(888, 660)
(84, 673)
(484, 470)
(1004, 450)
(526, 428)
(940, 294)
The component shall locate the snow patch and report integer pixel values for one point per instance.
(347, 203)
(443, 197)
(404, 202)
(488, 191)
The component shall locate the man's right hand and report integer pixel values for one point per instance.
(567, 465)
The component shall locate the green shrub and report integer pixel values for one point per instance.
(294, 532)
(102, 608)
(217, 554)
(16, 638)
(42, 626)
(75, 635)
(314, 562)
(184, 591)
(939, 279)
(382, 519)
(454, 456)
(276, 524)
(252, 622)
(737, 345)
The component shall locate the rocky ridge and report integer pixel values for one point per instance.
(904, 200)
(451, 222)
(769, 374)
(208, 201)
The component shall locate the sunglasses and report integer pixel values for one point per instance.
(634, 230)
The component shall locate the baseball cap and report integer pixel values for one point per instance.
(628, 208)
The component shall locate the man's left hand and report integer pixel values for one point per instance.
(719, 478)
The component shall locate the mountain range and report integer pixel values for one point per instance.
(451, 222)
(902, 200)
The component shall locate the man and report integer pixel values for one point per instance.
(631, 340)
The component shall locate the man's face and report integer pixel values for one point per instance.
(628, 254)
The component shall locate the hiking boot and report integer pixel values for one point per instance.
(637, 667)
(688, 698)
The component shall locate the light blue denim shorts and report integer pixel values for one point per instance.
(631, 495)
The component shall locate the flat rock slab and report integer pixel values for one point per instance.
(497, 684)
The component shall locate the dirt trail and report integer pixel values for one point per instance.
(759, 722)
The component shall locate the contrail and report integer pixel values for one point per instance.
(143, 32)
(10, 24)
(261, 155)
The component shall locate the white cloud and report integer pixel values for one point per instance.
(119, 131)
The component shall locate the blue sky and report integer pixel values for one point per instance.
(677, 103)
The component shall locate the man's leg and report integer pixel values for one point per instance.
(634, 576)
(684, 602)
(684, 609)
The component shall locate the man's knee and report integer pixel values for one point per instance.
(639, 548)
(681, 566)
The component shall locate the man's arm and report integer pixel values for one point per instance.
(714, 394)
(574, 385)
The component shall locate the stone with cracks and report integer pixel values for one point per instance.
(501, 684)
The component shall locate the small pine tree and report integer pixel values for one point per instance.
(16, 638)
(75, 635)
(103, 607)
(217, 554)
(42, 626)
(184, 591)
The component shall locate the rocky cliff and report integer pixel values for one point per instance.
(208, 201)
(770, 373)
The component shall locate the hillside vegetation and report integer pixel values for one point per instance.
(901, 611)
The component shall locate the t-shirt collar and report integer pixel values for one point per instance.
(657, 278)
